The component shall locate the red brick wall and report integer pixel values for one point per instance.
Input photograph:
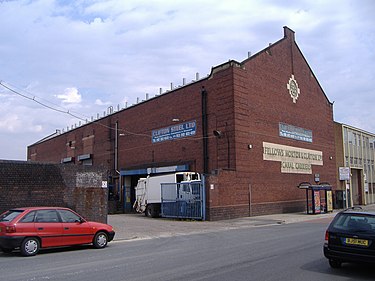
(261, 101)
(136, 148)
(24, 184)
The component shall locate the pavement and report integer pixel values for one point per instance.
(137, 226)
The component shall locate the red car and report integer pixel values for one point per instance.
(41, 227)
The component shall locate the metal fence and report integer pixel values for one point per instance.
(183, 200)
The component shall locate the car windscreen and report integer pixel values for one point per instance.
(10, 215)
(355, 223)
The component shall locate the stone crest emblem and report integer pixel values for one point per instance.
(292, 86)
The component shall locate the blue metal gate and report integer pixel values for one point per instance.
(183, 200)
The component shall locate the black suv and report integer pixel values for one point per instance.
(351, 237)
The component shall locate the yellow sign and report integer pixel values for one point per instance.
(294, 160)
(329, 201)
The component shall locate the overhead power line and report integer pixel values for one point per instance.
(35, 99)
(58, 108)
(64, 111)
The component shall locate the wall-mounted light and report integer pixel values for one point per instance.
(250, 146)
(218, 133)
(330, 158)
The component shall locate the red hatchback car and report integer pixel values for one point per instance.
(41, 227)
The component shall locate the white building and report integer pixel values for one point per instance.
(355, 154)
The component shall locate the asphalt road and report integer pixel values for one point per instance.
(274, 252)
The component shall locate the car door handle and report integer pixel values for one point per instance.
(66, 228)
(40, 228)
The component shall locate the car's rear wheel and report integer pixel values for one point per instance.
(30, 246)
(334, 263)
(100, 240)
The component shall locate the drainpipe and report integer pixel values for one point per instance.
(116, 148)
(204, 130)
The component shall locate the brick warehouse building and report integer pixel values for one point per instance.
(256, 129)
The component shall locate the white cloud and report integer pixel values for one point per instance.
(14, 123)
(10, 123)
(100, 102)
(70, 95)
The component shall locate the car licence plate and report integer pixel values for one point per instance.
(355, 241)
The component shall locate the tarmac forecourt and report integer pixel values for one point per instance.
(130, 227)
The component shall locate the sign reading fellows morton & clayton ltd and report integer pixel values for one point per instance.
(294, 160)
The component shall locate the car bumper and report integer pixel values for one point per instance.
(347, 256)
(10, 242)
(111, 235)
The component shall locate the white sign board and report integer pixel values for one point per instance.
(344, 173)
(294, 160)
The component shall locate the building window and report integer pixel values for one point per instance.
(371, 143)
(351, 137)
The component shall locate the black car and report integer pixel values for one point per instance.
(351, 238)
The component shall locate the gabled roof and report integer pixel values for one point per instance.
(288, 35)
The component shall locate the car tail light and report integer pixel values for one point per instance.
(327, 236)
(10, 229)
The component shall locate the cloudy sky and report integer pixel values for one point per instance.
(81, 57)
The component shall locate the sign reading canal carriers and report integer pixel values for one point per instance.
(294, 160)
